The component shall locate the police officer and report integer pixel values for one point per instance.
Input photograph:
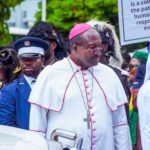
(14, 105)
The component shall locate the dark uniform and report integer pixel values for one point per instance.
(14, 105)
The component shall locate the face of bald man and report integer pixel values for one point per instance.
(87, 49)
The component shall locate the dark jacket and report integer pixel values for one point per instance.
(14, 105)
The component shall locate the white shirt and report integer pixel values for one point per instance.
(30, 80)
(143, 103)
(57, 102)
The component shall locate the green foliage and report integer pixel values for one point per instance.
(65, 13)
(5, 6)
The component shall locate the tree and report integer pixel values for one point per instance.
(65, 13)
(5, 6)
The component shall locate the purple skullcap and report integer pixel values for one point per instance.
(78, 29)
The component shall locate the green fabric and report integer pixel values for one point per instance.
(133, 116)
(130, 84)
(141, 56)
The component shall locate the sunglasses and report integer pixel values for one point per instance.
(132, 66)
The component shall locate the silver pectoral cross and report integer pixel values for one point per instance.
(87, 119)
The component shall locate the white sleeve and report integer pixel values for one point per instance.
(38, 119)
(143, 103)
(122, 139)
(41, 91)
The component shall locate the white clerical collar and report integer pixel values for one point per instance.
(75, 66)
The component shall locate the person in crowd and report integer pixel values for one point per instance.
(138, 58)
(14, 105)
(9, 66)
(126, 60)
(138, 82)
(111, 48)
(84, 93)
(143, 104)
(49, 33)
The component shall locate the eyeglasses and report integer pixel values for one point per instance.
(91, 47)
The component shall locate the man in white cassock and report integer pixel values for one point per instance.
(80, 95)
(143, 104)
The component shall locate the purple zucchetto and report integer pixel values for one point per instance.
(78, 29)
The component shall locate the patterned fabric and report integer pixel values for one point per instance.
(133, 116)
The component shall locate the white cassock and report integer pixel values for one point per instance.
(62, 96)
(143, 104)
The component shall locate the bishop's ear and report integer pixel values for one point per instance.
(74, 47)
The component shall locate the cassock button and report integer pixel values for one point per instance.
(90, 107)
(85, 80)
(92, 115)
(94, 129)
(89, 97)
(84, 73)
(89, 100)
(86, 86)
(88, 90)
(88, 93)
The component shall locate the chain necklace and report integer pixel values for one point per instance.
(87, 119)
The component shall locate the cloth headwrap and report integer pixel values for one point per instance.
(108, 31)
(139, 77)
(78, 29)
(6, 57)
(141, 56)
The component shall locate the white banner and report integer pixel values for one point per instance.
(134, 21)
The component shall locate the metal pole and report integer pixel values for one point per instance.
(43, 10)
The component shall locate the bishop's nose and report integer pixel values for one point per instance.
(97, 51)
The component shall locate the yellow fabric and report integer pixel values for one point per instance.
(130, 103)
(132, 120)
(17, 69)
